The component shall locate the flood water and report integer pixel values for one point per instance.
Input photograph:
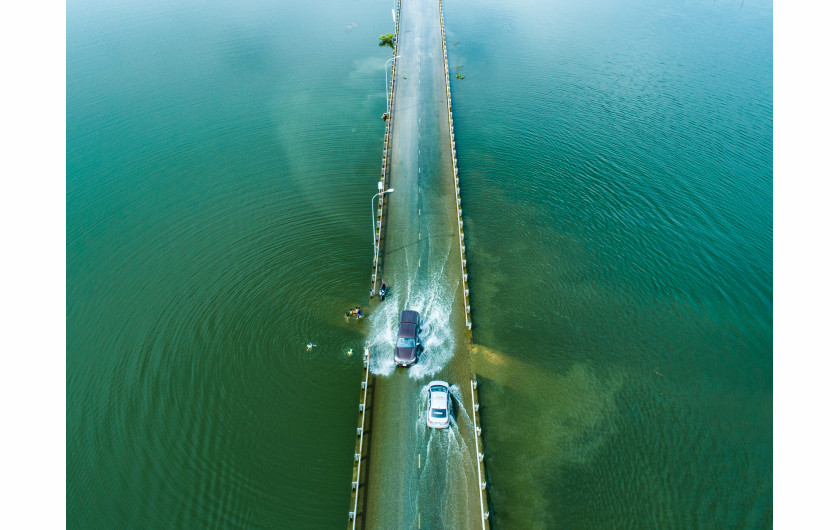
(616, 173)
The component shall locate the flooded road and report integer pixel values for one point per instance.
(421, 477)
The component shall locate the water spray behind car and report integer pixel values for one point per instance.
(432, 299)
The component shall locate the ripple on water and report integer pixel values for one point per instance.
(212, 316)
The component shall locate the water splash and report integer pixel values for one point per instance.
(461, 414)
(445, 464)
(432, 296)
(458, 407)
(383, 336)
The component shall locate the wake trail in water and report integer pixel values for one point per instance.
(431, 295)
(446, 460)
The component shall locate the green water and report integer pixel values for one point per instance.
(617, 181)
(220, 165)
(616, 174)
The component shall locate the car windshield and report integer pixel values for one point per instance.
(438, 388)
(438, 413)
(405, 342)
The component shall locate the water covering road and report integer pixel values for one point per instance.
(420, 477)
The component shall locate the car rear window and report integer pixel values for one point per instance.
(438, 413)
(405, 342)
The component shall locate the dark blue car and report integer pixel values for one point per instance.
(408, 343)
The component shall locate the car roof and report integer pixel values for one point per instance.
(438, 397)
(407, 329)
(439, 401)
(409, 316)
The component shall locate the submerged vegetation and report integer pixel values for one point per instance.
(458, 71)
(387, 40)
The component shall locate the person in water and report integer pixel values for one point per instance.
(359, 312)
(382, 291)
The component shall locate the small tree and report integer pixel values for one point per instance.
(387, 40)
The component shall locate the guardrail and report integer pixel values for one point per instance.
(462, 240)
(479, 456)
(360, 438)
(385, 170)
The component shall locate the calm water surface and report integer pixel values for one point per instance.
(616, 172)
(616, 162)
(220, 162)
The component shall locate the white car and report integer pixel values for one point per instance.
(438, 405)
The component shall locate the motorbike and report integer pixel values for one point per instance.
(382, 291)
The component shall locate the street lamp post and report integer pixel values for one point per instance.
(387, 104)
(373, 218)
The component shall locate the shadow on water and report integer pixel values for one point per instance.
(456, 405)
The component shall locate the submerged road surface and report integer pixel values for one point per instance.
(421, 477)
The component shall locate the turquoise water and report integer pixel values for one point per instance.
(617, 177)
(220, 164)
(616, 174)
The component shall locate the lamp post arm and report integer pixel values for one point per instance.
(373, 221)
